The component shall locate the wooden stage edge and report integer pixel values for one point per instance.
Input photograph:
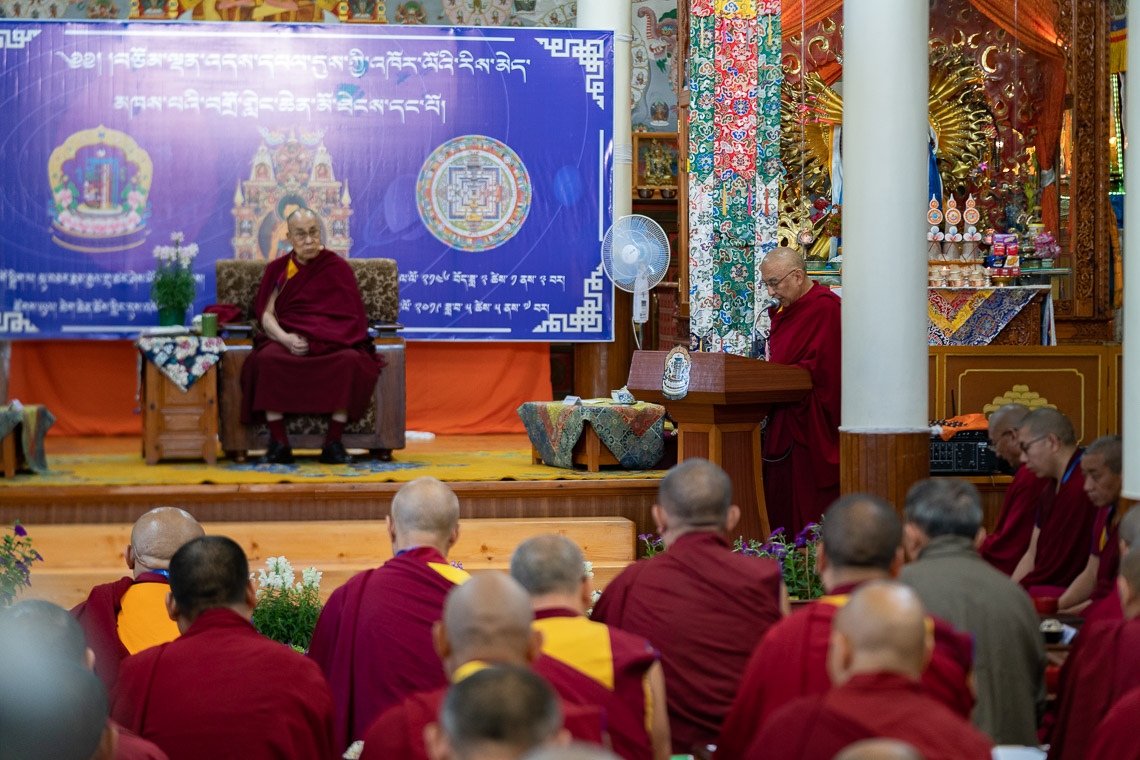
(324, 501)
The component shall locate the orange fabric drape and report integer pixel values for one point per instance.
(472, 388)
(798, 14)
(1033, 24)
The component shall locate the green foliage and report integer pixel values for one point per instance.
(173, 285)
(16, 558)
(287, 611)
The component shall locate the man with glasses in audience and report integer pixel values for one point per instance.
(315, 355)
(1005, 547)
(801, 440)
(1058, 548)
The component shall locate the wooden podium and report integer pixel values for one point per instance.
(719, 419)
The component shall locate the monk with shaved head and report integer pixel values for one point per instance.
(1006, 545)
(861, 541)
(129, 615)
(879, 749)
(801, 440)
(373, 639)
(880, 645)
(1059, 546)
(486, 621)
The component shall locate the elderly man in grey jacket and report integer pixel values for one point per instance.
(942, 532)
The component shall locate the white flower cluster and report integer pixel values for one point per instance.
(588, 568)
(280, 575)
(182, 254)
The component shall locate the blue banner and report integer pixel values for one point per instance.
(479, 158)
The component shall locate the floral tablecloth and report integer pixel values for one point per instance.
(974, 316)
(36, 420)
(183, 358)
(635, 434)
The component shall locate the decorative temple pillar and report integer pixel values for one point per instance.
(884, 438)
(1130, 413)
(602, 367)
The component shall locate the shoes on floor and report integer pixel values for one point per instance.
(277, 453)
(334, 453)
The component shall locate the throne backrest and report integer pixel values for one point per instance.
(238, 281)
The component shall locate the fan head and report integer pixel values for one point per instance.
(635, 246)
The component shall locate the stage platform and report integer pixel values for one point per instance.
(104, 480)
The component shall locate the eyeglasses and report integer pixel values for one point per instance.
(774, 282)
(993, 445)
(1024, 445)
(314, 234)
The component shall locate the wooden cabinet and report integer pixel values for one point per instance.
(179, 424)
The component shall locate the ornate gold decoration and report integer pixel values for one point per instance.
(1018, 394)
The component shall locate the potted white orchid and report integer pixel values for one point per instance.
(172, 288)
(287, 610)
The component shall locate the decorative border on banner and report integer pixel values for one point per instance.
(590, 55)
(16, 322)
(17, 39)
(587, 318)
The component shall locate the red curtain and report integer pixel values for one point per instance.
(1033, 24)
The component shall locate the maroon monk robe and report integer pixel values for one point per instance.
(868, 705)
(1116, 736)
(1106, 546)
(321, 303)
(131, 746)
(1102, 666)
(628, 660)
(801, 441)
(98, 615)
(704, 608)
(224, 690)
(1065, 517)
(373, 638)
(791, 662)
(398, 734)
(1005, 547)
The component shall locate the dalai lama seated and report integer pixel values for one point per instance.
(315, 355)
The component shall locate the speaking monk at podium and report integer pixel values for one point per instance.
(801, 441)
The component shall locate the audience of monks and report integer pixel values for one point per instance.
(690, 652)
(373, 639)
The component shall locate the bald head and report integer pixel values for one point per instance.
(158, 534)
(1003, 425)
(861, 531)
(1046, 421)
(487, 618)
(550, 564)
(1130, 528)
(696, 494)
(879, 749)
(785, 258)
(301, 217)
(425, 510)
(1110, 448)
(572, 752)
(1008, 417)
(784, 275)
(881, 629)
(38, 628)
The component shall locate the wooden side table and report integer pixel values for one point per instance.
(179, 424)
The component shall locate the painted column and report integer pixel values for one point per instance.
(602, 367)
(1130, 422)
(884, 439)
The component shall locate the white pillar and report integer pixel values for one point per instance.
(618, 16)
(885, 385)
(1130, 422)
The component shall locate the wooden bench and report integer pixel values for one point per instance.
(77, 557)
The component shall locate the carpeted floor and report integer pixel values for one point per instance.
(117, 468)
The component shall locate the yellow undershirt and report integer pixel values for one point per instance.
(143, 622)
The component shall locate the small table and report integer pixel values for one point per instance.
(177, 423)
(595, 434)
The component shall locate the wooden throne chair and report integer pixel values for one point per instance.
(380, 430)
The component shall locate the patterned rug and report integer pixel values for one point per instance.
(122, 469)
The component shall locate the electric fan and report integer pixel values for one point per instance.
(635, 255)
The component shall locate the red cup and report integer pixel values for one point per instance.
(1046, 605)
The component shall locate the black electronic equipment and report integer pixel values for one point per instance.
(967, 453)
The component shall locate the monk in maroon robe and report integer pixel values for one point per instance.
(1103, 665)
(623, 672)
(486, 621)
(801, 441)
(1128, 535)
(1058, 548)
(861, 541)
(1007, 544)
(129, 615)
(315, 355)
(879, 646)
(1116, 735)
(222, 689)
(37, 629)
(373, 639)
(701, 605)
